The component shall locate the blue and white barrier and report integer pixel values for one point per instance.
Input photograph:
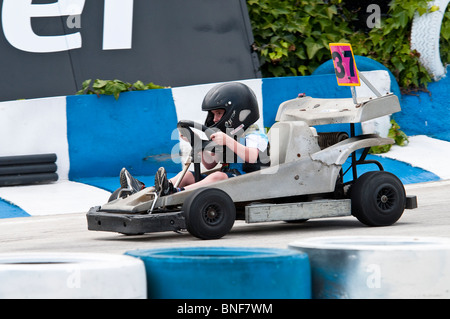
(34, 275)
(377, 267)
(94, 137)
(97, 136)
(225, 273)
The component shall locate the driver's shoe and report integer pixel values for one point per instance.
(129, 183)
(162, 185)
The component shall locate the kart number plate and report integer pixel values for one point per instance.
(344, 64)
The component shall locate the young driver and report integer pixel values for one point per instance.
(232, 109)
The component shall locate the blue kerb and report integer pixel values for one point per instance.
(9, 210)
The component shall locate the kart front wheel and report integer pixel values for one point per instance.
(378, 198)
(210, 213)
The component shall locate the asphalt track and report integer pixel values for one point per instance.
(68, 232)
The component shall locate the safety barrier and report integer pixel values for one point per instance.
(97, 136)
(28, 169)
(350, 267)
(225, 273)
(425, 38)
(378, 267)
(71, 276)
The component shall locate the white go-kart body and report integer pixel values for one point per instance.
(304, 179)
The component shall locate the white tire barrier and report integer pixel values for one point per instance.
(378, 267)
(226, 273)
(71, 276)
(425, 35)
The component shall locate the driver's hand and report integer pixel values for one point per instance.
(184, 138)
(219, 138)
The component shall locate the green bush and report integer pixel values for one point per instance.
(292, 37)
(396, 134)
(390, 44)
(444, 45)
(114, 87)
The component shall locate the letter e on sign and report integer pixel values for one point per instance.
(344, 64)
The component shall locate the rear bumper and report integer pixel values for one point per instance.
(411, 202)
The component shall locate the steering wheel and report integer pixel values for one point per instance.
(198, 144)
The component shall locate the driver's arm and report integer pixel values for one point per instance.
(248, 154)
(209, 159)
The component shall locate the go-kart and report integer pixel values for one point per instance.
(305, 179)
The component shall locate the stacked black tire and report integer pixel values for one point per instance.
(28, 169)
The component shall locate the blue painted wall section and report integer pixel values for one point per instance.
(134, 131)
(8, 210)
(427, 113)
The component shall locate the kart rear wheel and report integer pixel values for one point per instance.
(210, 213)
(378, 198)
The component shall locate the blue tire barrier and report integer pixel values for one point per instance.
(28, 169)
(225, 273)
(360, 267)
(71, 276)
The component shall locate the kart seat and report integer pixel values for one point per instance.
(291, 141)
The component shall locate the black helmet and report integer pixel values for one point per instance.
(239, 103)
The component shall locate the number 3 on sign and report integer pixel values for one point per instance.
(344, 64)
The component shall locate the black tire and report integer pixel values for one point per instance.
(210, 213)
(28, 159)
(378, 198)
(28, 169)
(27, 179)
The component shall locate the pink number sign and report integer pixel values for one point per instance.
(344, 64)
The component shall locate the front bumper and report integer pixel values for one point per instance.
(134, 224)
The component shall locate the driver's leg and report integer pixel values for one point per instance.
(188, 179)
(211, 178)
(165, 187)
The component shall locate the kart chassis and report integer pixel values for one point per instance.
(304, 180)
